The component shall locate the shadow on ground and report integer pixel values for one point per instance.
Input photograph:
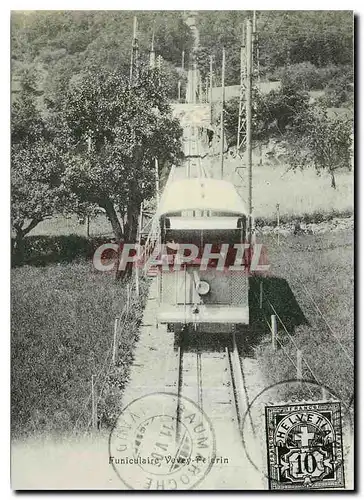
(278, 299)
(276, 294)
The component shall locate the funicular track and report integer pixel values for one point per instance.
(209, 369)
(210, 372)
(193, 153)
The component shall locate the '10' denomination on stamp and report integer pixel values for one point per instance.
(304, 446)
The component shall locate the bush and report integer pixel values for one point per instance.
(43, 250)
(339, 91)
(309, 77)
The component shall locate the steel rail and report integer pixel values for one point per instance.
(236, 380)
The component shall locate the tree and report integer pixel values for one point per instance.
(127, 128)
(339, 92)
(276, 112)
(36, 166)
(321, 141)
(36, 189)
(272, 113)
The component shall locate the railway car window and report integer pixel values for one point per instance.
(201, 238)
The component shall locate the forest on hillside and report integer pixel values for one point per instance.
(61, 44)
(285, 38)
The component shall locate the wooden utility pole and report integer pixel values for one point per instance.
(115, 341)
(299, 366)
(93, 403)
(88, 225)
(241, 135)
(274, 331)
(134, 53)
(159, 59)
(222, 111)
(211, 89)
(261, 295)
(256, 46)
(200, 89)
(89, 147)
(152, 54)
(179, 81)
(254, 21)
(138, 263)
(248, 104)
(157, 180)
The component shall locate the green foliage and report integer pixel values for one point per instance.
(273, 114)
(64, 43)
(220, 29)
(321, 38)
(27, 125)
(36, 166)
(319, 140)
(310, 136)
(277, 111)
(128, 127)
(44, 250)
(85, 96)
(111, 403)
(37, 191)
(339, 91)
(307, 76)
(316, 217)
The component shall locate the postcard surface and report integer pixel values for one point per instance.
(182, 250)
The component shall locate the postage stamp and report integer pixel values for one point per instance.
(304, 446)
(162, 442)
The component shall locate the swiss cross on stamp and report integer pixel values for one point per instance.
(304, 446)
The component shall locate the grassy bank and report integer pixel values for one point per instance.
(296, 192)
(310, 273)
(62, 333)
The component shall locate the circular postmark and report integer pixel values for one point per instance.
(162, 442)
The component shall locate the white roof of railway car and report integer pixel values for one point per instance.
(201, 194)
(203, 223)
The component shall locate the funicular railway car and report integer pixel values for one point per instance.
(194, 291)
